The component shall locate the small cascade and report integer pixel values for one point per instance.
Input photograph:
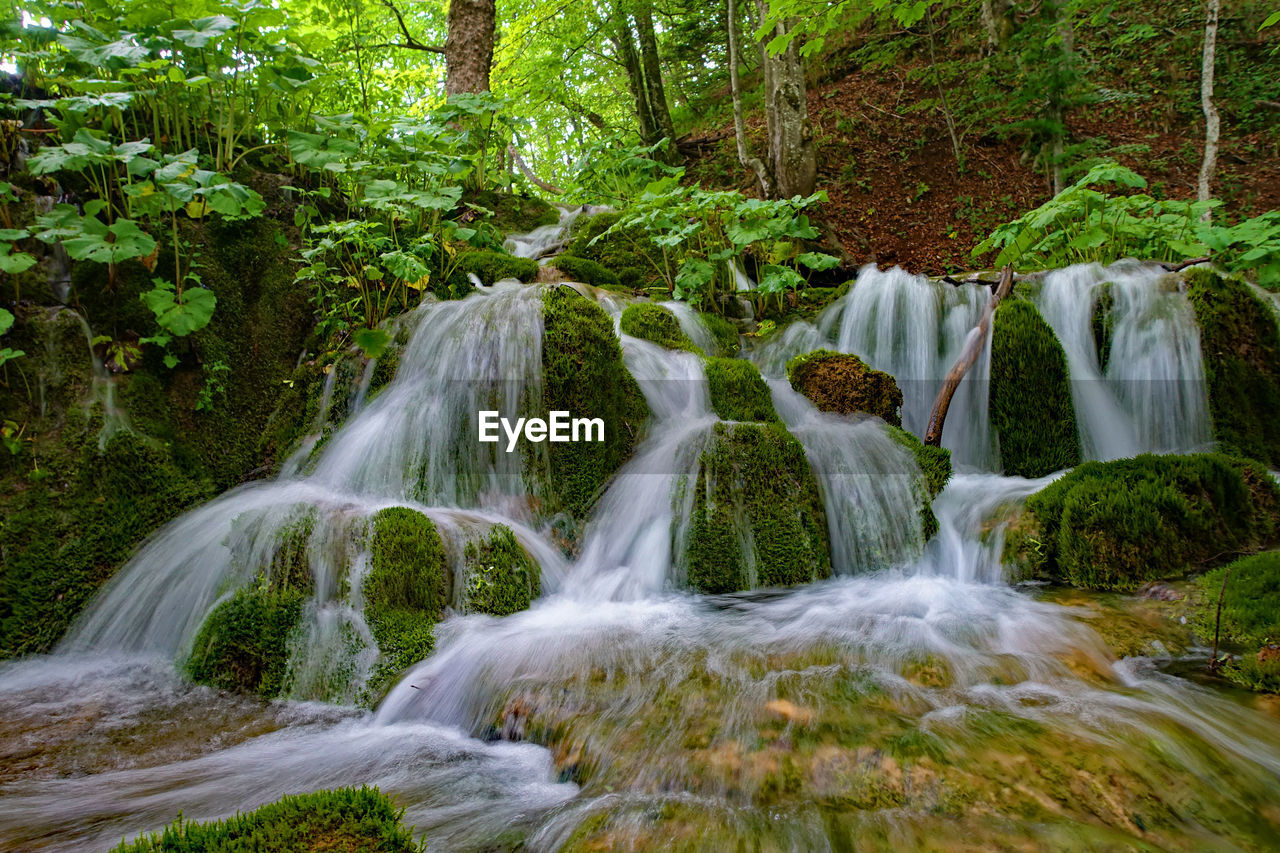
(103, 391)
(693, 327)
(914, 329)
(546, 239)
(1150, 395)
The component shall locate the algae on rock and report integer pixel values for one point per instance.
(758, 518)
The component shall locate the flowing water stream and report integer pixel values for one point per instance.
(915, 697)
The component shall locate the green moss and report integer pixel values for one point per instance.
(627, 253)
(490, 267)
(339, 820)
(405, 590)
(1116, 525)
(657, 324)
(1241, 350)
(758, 518)
(586, 271)
(1103, 322)
(244, 643)
(725, 334)
(583, 374)
(1250, 618)
(501, 578)
(842, 383)
(515, 214)
(65, 533)
(1030, 396)
(738, 392)
(935, 468)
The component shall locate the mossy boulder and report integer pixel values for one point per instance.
(1102, 321)
(490, 267)
(405, 591)
(1116, 525)
(627, 253)
(655, 323)
(844, 384)
(935, 469)
(1250, 624)
(583, 374)
(587, 271)
(725, 334)
(512, 213)
(1030, 395)
(501, 578)
(244, 643)
(738, 391)
(1241, 352)
(758, 519)
(341, 819)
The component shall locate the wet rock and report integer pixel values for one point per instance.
(844, 384)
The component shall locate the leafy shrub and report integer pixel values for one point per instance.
(244, 643)
(1241, 350)
(501, 578)
(758, 518)
(738, 392)
(583, 373)
(1116, 525)
(586, 271)
(496, 266)
(341, 819)
(841, 383)
(1030, 396)
(654, 323)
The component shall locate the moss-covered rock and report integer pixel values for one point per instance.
(501, 578)
(655, 323)
(583, 374)
(1116, 525)
(1102, 321)
(490, 267)
(758, 518)
(1250, 626)
(514, 214)
(724, 332)
(628, 253)
(244, 643)
(738, 391)
(342, 819)
(586, 271)
(842, 383)
(935, 469)
(1030, 397)
(1241, 351)
(405, 591)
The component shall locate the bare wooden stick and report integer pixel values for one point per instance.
(938, 416)
(528, 173)
(1179, 267)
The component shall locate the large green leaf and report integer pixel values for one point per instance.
(183, 315)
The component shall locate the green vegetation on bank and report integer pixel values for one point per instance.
(1030, 395)
(1116, 525)
(344, 819)
(1250, 618)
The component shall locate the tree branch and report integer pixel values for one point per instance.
(409, 43)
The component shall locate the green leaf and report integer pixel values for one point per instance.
(817, 261)
(372, 342)
(180, 316)
(119, 242)
(6, 321)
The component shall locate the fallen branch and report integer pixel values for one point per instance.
(528, 173)
(938, 416)
(1182, 266)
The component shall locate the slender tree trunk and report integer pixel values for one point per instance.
(468, 48)
(1210, 162)
(654, 89)
(626, 47)
(792, 158)
(1059, 88)
(997, 20)
(748, 160)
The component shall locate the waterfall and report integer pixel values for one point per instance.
(1151, 395)
(546, 239)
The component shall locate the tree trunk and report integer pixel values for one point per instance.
(792, 158)
(654, 89)
(763, 178)
(1210, 162)
(626, 47)
(997, 20)
(938, 415)
(468, 48)
(1059, 89)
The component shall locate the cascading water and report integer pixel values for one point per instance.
(1151, 394)
(897, 703)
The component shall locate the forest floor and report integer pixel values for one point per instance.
(897, 197)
